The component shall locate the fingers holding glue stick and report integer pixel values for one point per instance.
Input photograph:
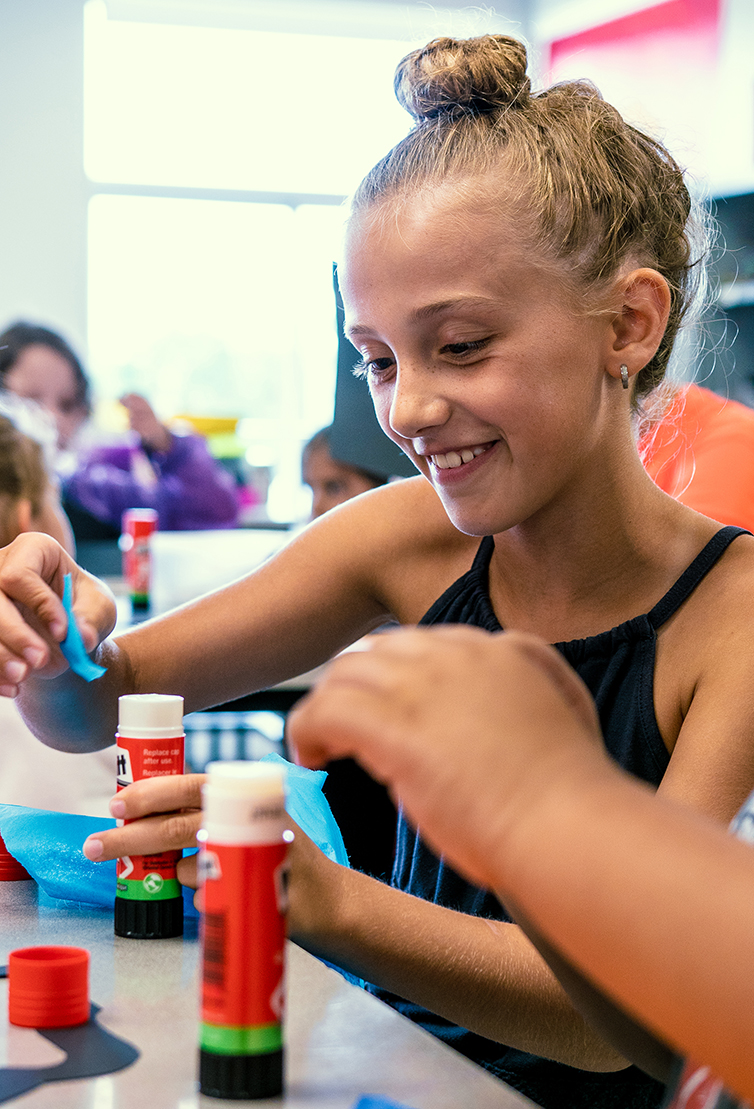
(166, 815)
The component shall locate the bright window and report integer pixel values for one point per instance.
(222, 156)
(236, 109)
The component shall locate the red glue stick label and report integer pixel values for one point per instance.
(138, 526)
(243, 947)
(147, 877)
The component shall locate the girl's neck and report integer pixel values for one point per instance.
(579, 569)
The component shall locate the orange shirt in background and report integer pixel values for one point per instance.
(702, 453)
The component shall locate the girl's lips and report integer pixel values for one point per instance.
(451, 460)
(454, 465)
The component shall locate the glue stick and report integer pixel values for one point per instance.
(148, 898)
(243, 846)
(135, 542)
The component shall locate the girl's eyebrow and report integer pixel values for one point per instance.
(427, 311)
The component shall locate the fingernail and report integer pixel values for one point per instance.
(118, 809)
(8, 691)
(93, 848)
(15, 671)
(34, 656)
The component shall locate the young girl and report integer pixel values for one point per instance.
(515, 273)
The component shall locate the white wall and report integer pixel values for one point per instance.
(43, 192)
(731, 144)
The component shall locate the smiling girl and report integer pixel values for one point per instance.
(514, 276)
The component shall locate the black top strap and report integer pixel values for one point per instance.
(691, 577)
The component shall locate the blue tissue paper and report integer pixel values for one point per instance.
(48, 844)
(308, 806)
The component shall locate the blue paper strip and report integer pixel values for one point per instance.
(371, 1102)
(73, 645)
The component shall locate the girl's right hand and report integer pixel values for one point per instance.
(164, 814)
(33, 621)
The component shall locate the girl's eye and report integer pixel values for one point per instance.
(372, 366)
(464, 348)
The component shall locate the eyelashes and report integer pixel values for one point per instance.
(470, 347)
(376, 366)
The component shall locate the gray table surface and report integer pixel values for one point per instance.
(342, 1043)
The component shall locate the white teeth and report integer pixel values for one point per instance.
(453, 459)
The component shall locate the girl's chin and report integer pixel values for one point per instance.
(465, 519)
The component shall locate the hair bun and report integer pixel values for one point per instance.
(451, 77)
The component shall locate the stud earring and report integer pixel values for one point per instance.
(624, 376)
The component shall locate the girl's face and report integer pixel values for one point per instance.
(480, 365)
(42, 375)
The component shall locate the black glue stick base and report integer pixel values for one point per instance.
(148, 920)
(241, 1077)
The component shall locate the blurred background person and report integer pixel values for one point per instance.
(152, 467)
(332, 482)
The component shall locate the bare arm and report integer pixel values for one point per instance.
(668, 895)
(495, 986)
(481, 974)
(324, 590)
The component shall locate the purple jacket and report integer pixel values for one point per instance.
(192, 491)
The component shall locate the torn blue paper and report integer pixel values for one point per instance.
(307, 805)
(50, 843)
(73, 645)
(371, 1102)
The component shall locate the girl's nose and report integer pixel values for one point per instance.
(416, 403)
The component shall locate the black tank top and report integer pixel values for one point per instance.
(617, 667)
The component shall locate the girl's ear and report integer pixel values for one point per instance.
(639, 325)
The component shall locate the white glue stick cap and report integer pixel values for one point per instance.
(146, 715)
(244, 802)
(246, 779)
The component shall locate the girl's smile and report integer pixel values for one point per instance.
(449, 469)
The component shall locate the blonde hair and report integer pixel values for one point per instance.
(23, 476)
(599, 193)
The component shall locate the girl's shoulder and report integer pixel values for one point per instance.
(715, 624)
(399, 538)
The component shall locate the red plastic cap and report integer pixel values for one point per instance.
(48, 987)
(139, 522)
(10, 869)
